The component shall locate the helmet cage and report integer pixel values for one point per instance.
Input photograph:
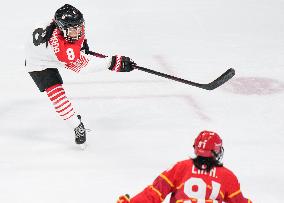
(70, 22)
(218, 155)
(74, 33)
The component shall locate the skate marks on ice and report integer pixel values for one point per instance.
(20, 105)
(188, 99)
(27, 116)
(254, 86)
(116, 82)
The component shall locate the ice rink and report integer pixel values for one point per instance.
(141, 123)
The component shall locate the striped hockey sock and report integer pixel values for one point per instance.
(61, 104)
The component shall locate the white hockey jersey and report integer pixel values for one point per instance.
(60, 53)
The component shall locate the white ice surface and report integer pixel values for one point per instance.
(142, 124)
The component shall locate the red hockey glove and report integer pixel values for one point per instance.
(121, 64)
(123, 199)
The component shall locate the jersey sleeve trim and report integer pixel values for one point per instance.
(167, 180)
(222, 194)
(180, 186)
(157, 192)
(234, 194)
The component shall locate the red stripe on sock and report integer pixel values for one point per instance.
(69, 116)
(54, 91)
(67, 112)
(59, 106)
(57, 96)
(69, 105)
(52, 87)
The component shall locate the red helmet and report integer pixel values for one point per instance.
(208, 144)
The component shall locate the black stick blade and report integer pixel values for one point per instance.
(220, 80)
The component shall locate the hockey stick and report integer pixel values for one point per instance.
(210, 86)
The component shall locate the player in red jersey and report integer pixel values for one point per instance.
(62, 44)
(202, 179)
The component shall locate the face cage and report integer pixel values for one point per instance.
(67, 31)
(218, 156)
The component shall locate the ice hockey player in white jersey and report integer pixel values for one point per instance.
(62, 44)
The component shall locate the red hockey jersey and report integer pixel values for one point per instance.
(187, 184)
(62, 54)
